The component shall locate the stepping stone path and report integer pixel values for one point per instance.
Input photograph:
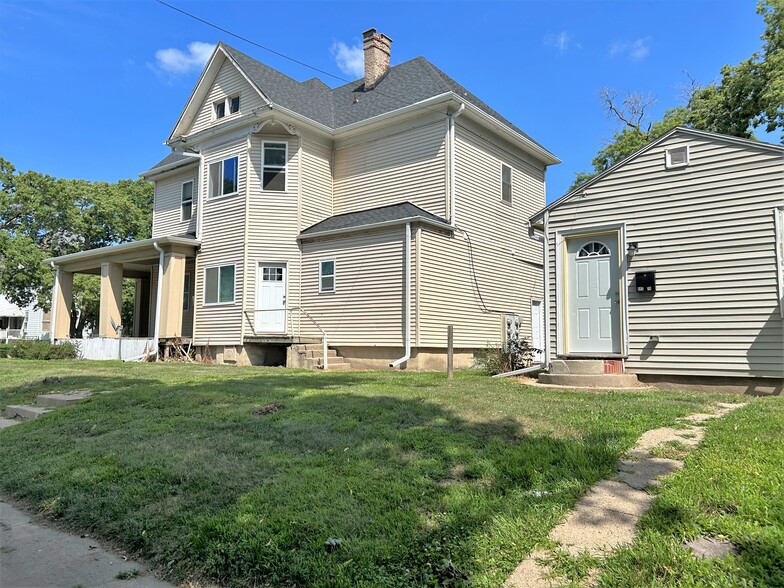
(606, 517)
(44, 403)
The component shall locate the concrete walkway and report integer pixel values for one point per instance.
(606, 517)
(37, 557)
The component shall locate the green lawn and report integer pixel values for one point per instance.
(412, 480)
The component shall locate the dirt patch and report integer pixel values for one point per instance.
(267, 409)
(707, 547)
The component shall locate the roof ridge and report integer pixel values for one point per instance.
(435, 73)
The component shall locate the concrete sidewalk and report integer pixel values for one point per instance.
(32, 556)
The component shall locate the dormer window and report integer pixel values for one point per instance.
(676, 157)
(229, 105)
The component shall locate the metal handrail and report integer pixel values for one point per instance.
(290, 311)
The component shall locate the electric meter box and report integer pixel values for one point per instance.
(645, 282)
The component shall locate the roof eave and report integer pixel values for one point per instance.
(156, 171)
(82, 256)
(379, 225)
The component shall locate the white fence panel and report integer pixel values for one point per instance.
(110, 348)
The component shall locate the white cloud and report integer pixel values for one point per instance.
(561, 41)
(350, 60)
(177, 62)
(634, 50)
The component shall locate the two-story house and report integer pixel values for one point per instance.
(374, 214)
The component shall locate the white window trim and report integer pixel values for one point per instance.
(511, 183)
(226, 101)
(209, 178)
(334, 276)
(285, 167)
(193, 199)
(667, 157)
(204, 285)
(186, 295)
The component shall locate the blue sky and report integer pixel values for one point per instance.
(92, 89)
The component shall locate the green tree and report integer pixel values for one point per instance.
(42, 216)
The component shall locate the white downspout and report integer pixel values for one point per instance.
(201, 191)
(452, 157)
(54, 303)
(546, 263)
(407, 302)
(158, 300)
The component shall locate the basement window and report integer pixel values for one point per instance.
(676, 157)
(506, 183)
(219, 285)
(326, 275)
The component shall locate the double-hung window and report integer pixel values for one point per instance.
(506, 183)
(273, 174)
(219, 285)
(186, 201)
(223, 177)
(326, 275)
(230, 105)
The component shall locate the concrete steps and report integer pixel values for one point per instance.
(44, 403)
(311, 356)
(25, 412)
(588, 373)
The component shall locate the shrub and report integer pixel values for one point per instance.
(30, 349)
(515, 355)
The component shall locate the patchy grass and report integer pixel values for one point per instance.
(257, 476)
(731, 489)
(671, 450)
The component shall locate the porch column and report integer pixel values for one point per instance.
(171, 295)
(111, 298)
(62, 297)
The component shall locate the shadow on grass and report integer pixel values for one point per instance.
(186, 475)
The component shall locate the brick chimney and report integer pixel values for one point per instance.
(377, 51)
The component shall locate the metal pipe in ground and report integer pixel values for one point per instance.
(450, 364)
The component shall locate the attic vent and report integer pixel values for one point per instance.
(676, 157)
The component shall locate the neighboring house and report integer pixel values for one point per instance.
(377, 213)
(673, 261)
(22, 323)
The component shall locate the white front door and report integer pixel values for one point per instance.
(271, 298)
(537, 330)
(593, 295)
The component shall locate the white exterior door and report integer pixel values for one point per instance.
(593, 295)
(271, 298)
(537, 330)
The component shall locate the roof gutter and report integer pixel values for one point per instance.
(121, 248)
(399, 221)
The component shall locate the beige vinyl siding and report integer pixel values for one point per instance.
(708, 231)
(448, 295)
(187, 315)
(222, 243)
(407, 164)
(367, 305)
(272, 226)
(228, 82)
(167, 210)
(507, 263)
(316, 184)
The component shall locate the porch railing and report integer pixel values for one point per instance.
(290, 320)
(8, 334)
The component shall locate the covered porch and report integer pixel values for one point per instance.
(163, 271)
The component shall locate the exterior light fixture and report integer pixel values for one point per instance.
(632, 247)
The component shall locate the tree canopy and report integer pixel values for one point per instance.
(42, 216)
(749, 96)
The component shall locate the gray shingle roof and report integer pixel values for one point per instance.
(372, 216)
(403, 85)
(172, 159)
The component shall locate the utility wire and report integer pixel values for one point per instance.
(284, 56)
(228, 32)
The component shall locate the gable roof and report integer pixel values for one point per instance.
(373, 217)
(404, 85)
(677, 130)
